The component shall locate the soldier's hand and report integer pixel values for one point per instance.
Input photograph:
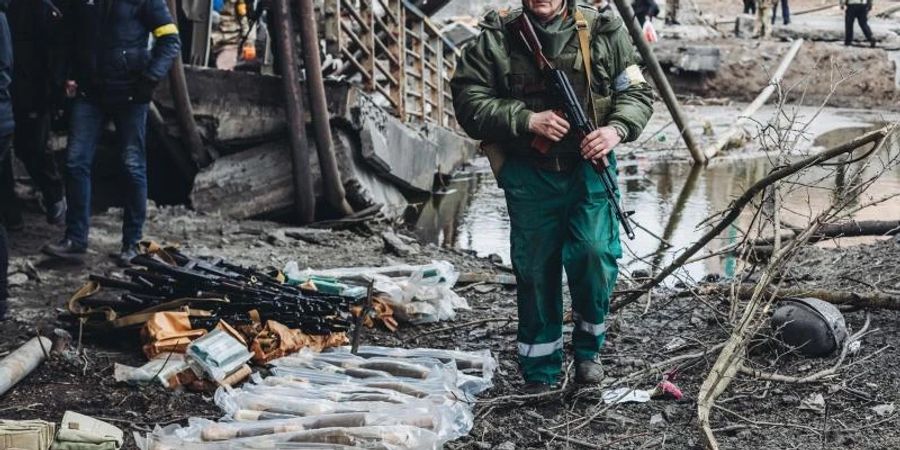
(599, 143)
(548, 124)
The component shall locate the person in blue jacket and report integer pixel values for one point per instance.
(7, 124)
(115, 71)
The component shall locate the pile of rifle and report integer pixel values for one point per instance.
(229, 291)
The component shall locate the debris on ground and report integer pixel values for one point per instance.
(416, 294)
(392, 397)
(26, 434)
(21, 362)
(80, 432)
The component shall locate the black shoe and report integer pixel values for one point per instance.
(123, 259)
(56, 213)
(535, 388)
(13, 220)
(65, 249)
(872, 44)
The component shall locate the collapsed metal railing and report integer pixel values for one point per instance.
(399, 54)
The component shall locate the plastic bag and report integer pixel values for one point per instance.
(650, 32)
(161, 368)
(418, 294)
(480, 363)
(354, 367)
(398, 437)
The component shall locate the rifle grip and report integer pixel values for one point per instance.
(541, 144)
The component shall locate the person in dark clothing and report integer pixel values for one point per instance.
(857, 11)
(39, 74)
(785, 12)
(749, 6)
(644, 9)
(7, 124)
(4, 267)
(115, 74)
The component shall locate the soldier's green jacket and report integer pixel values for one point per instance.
(488, 107)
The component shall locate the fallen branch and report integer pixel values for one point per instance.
(887, 12)
(734, 211)
(462, 325)
(570, 440)
(765, 423)
(744, 118)
(730, 360)
(872, 299)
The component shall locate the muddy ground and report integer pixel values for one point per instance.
(754, 414)
(822, 72)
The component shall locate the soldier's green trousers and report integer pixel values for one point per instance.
(559, 220)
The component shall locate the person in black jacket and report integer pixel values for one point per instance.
(7, 124)
(644, 9)
(37, 34)
(115, 74)
(749, 6)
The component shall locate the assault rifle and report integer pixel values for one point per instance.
(574, 113)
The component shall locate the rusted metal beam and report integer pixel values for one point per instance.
(304, 197)
(659, 78)
(184, 113)
(315, 86)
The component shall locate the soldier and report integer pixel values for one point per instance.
(857, 11)
(559, 215)
(672, 12)
(763, 28)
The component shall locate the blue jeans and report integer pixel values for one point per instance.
(785, 12)
(86, 127)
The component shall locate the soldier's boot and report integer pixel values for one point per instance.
(535, 387)
(589, 371)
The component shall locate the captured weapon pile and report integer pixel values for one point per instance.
(386, 398)
(166, 280)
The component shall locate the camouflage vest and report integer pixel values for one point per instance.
(526, 83)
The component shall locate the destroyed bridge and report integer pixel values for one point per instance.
(335, 142)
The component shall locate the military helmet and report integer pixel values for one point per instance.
(812, 326)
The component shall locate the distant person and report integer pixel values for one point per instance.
(672, 12)
(749, 6)
(37, 92)
(857, 10)
(7, 124)
(763, 27)
(645, 9)
(115, 74)
(785, 12)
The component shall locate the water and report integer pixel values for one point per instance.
(668, 199)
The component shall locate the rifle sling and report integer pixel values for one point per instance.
(584, 40)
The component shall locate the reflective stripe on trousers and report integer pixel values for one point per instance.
(538, 350)
(594, 329)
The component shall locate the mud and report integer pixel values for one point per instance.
(822, 72)
(764, 415)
